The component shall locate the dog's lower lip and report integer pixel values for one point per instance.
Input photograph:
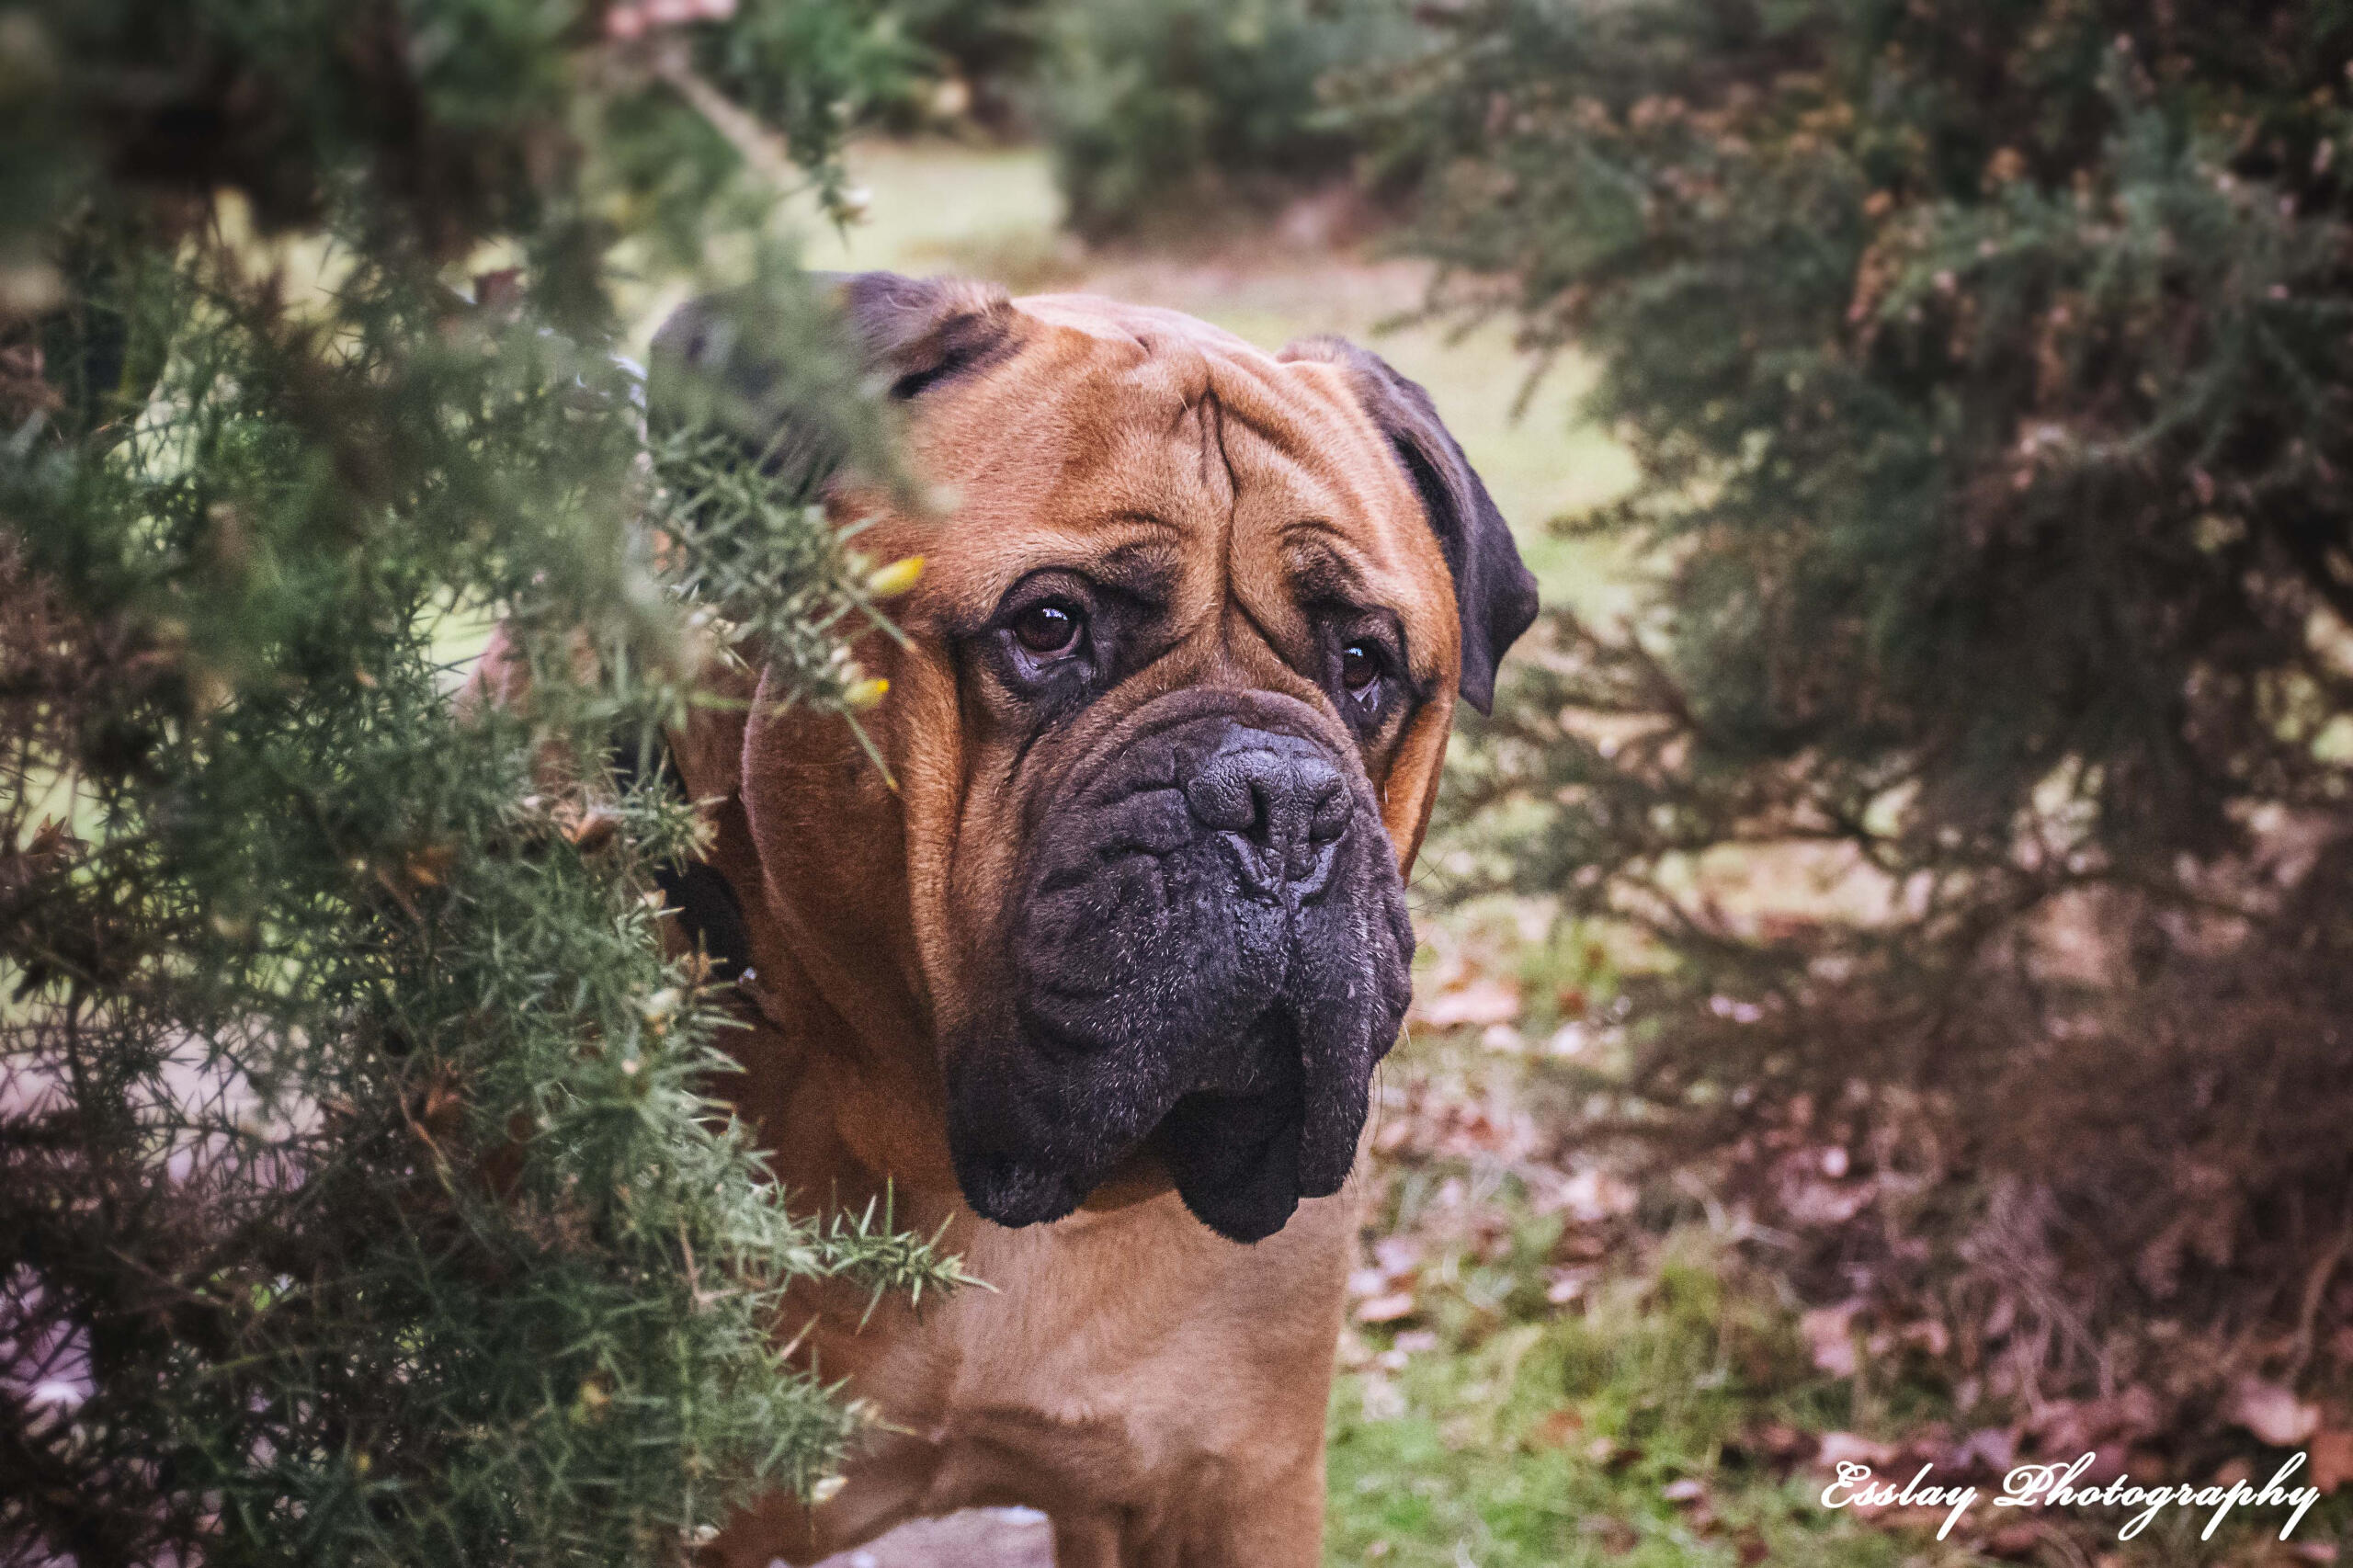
(1203, 1102)
(1246, 1190)
(1245, 1153)
(1018, 1194)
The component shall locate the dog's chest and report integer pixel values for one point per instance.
(1117, 1357)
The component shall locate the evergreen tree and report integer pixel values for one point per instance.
(1988, 366)
(1163, 112)
(361, 1199)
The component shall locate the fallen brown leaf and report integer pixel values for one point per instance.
(1609, 1453)
(2015, 1543)
(2330, 1454)
(1617, 1537)
(1829, 1333)
(1989, 1451)
(1482, 1002)
(2271, 1411)
(1555, 1429)
(1844, 1448)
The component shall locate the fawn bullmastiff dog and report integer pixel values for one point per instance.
(1097, 976)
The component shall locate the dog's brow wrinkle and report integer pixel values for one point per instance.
(1280, 435)
(1213, 446)
(1141, 569)
(1320, 531)
(1265, 634)
(1321, 571)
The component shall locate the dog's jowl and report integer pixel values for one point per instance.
(1100, 977)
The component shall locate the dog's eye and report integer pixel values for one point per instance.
(1363, 670)
(1049, 628)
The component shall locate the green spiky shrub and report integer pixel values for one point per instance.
(360, 1198)
(1976, 772)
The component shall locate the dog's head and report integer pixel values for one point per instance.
(1166, 725)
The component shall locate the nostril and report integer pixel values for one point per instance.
(1332, 810)
(1226, 797)
(1281, 801)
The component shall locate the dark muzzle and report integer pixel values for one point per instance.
(1209, 954)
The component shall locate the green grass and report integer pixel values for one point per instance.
(1635, 1425)
(1615, 1436)
(1661, 1419)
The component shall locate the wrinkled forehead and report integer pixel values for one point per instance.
(1103, 426)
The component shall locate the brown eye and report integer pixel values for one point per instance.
(1359, 667)
(1048, 629)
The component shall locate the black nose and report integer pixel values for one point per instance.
(1280, 803)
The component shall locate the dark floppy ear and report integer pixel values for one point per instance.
(923, 332)
(768, 373)
(1494, 593)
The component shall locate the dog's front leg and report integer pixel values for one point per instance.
(1274, 1521)
(1277, 1524)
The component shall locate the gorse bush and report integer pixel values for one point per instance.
(361, 1198)
(1988, 366)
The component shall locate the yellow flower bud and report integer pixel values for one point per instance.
(894, 578)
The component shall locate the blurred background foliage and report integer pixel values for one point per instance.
(1883, 971)
(1974, 770)
(1177, 109)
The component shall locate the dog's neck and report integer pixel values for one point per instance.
(840, 1078)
